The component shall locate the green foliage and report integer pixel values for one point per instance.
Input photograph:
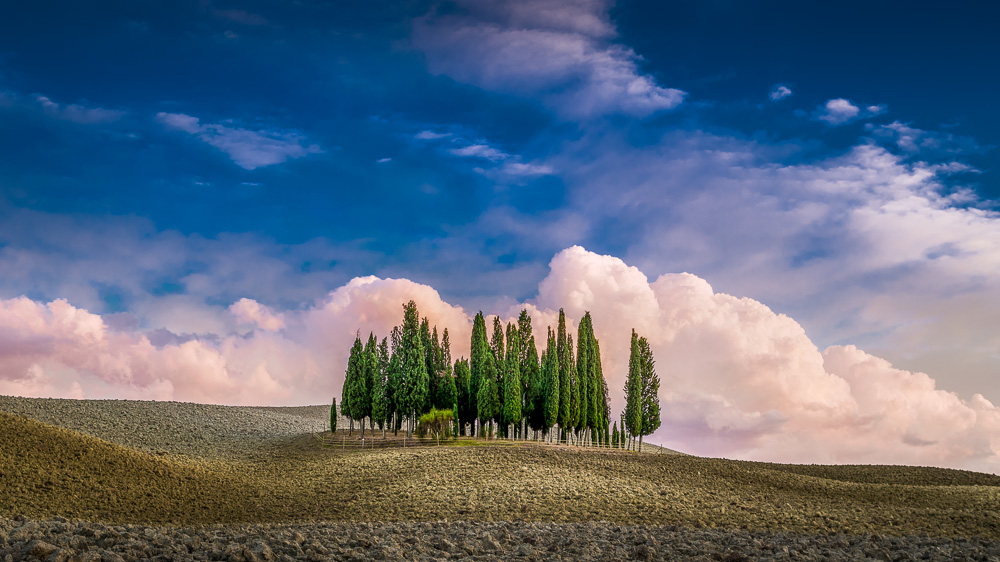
(333, 416)
(371, 373)
(394, 395)
(415, 379)
(532, 398)
(478, 362)
(584, 371)
(430, 350)
(564, 360)
(437, 423)
(488, 400)
(463, 386)
(512, 378)
(633, 390)
(445, 389)
(355, 392)
(381, 403)
(650, 384)
(550, 382)
(573, 421)
(615, 437)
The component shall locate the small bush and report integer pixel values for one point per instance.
(438, 423)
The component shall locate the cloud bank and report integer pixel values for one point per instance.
(738, 380)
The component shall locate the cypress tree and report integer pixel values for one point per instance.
(574, 388)
(488, 398)
(446, 396)
(583, 373)
(615, 436)
(499, 358)
(394, 394)
(430, 351)
(381, 407)
(512, 379)
(563, 360)
(650, 400)
(480, 355)
(333, 416)
(414, 365)
(531, 377)
(463, 387)
(550, 376)
(355, 390)
(364, 409)
(633, 390)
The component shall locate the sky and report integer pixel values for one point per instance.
(795, 202)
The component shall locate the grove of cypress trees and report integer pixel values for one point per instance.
(463, 387)
(512, 379)
(633, 390)
(480, 354)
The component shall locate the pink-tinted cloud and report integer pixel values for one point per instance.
(738, 379)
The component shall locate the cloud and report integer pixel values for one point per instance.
(78, 113)
(737, 379)
(430, 135)
(838, 111)
(480, 151)
(926, 143)
(249, 311)
(779, 93)
(557, 52)
(248, 149)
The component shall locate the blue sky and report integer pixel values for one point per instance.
(836, 162)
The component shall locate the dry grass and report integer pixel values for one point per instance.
(49, 471)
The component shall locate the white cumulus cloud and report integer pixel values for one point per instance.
(838, 111)
(780, 92)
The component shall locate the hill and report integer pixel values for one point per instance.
(284, 476)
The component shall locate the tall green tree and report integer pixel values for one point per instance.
(584, 372)
(488, 398)
(563, 356)
(649, 397)
(381, 402)
(633, 389)
(430, 353)
(531, 376)
(550, 376)
(446, 391)
(478, 363)
(355, 392)
(511, 413)
(394, 393)
(463, 387)
(415, 378)
(498, 349)
(615, 436)
(574, 389)
(370, 370)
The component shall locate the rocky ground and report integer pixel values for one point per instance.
(61, 540)
(171, 481)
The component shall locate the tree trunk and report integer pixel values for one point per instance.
(640, 443)
(352, 427)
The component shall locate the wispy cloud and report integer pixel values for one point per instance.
(430, 135)
(780, 92)
(79, 113)
(248, 149)
(480, 151)
(557, 52)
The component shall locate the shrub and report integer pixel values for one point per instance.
(436, 422)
